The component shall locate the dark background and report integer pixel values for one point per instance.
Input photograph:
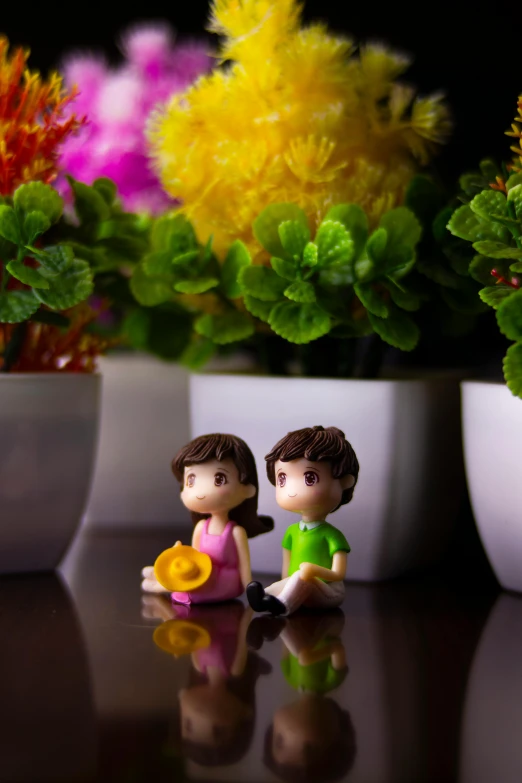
(470, 50)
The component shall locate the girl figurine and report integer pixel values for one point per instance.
(218, 479)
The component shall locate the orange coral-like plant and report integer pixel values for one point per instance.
(33, 121)
(48, 348)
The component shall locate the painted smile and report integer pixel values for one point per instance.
(293, 496)
(203, 498)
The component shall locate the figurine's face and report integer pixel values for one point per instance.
(214, 487)
(309, 488)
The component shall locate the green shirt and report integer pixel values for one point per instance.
(317, 546)
(319, 677)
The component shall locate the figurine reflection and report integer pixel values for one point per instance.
(217, 707)
(311, 738)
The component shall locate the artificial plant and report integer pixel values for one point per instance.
(346, 281)
(117, 101)
(298, 115)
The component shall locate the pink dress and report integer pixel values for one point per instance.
(225, 580)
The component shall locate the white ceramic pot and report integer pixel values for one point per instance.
(406, 435)
(492, 429)
(144, 421)
(490, 746)
(48, 428)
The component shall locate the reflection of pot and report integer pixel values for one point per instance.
(48, 426)
(406, 435)
(491, 749)
(47, 728)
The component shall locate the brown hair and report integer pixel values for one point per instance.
(220, 447)
(317, 444)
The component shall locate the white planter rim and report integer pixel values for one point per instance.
(46, 376)
(267, 378)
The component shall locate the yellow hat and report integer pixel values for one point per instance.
(179, 637)
(182, 568)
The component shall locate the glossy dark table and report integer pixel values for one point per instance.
(414, 680)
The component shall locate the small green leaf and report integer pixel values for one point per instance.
(266, 226)
(35, 224)
(495, 295)
(403, 229)
(69, 288)
(515, 196)
(89, 204)
(198, 285)
(334, 243)
(225, 328)
(258, 308)
(285, 269)
(107, 188)
(376, 246)
(406, 300)
(9, 227)
(353, 217)
(54, 258)
(464, 223)
(310, 255)
(300, 291)
(509, 316)
(27, 275)
(513, 369)
(149, 290)
(337, 275)
(299, 323)
(488, 203)
(516, 267)
(187, 259)
(159, 264)
(497, 250)
(17, 306)
(237, 258)
(36, 196)
(439, 226)
(294, 236)
(397, 329)
(197, 354)
(371, 299)
(261, 282)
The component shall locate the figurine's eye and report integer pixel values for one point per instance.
(281, 479)
(311, 478)
(220, 479)
(191, 480)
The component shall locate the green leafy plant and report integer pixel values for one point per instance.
(36, 274)
(346, 282)
(491, 225)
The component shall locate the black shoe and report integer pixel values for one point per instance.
(261, 602)
(255, 593)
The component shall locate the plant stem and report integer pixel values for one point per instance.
(14, 346)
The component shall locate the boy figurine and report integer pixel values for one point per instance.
(314, 471)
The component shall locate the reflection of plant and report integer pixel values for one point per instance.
(117, 102)
(298, 116)
(32, 121)
(492, 223)
(347, 282)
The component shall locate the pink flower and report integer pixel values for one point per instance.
(117, 103)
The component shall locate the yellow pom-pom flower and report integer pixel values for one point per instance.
(294, 115)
